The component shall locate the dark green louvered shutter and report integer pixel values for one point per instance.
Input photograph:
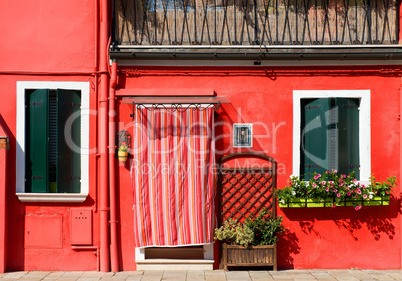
(68, 158)
(348, 130)
(37, 149)
(329, 136)
(314, 136)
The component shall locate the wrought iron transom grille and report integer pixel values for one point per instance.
(245, 191)
(255, 22)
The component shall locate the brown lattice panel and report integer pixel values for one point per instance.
(244, 191)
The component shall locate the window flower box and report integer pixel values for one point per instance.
(237, 255)
(332, 189)
(330, 202)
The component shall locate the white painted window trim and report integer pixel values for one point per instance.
(22, 86)
(364, 125)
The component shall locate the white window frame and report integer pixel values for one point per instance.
(364, 125)
(23, 196)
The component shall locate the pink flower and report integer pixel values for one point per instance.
(363, 186)
(359, 191)
(344, 176)
(335, 190)
(354, 180)
(341, 184)
(338, 195)
(364, 196)
(327, 189)
(358, 207)
(317, 176)
(328, 172)
(323, 182)
(335, 171)
(349, 193)
(314, 185)
(333, 206)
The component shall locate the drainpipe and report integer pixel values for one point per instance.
(112, 169)
(103, 138)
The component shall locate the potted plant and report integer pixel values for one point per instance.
(252, 242)
(122, 152)
(332, 189)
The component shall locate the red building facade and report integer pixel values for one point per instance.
(92, 49)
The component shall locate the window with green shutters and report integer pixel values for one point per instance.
(332, 131)
(51, 165)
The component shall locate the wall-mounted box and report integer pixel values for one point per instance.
(43, 232)
(81, 227)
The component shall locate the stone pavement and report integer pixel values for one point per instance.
(208, 275)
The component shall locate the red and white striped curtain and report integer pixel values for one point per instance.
(173, 177)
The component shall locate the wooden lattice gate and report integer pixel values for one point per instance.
(245, 188)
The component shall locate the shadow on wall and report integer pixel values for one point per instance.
(378, 220)
(288, 246)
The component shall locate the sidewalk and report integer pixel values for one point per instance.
(208, 275)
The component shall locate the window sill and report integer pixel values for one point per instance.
(52, 197)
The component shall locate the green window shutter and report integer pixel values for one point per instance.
(314, 147)
(36, 161)
(348, 127)
(68, 158)
(329, 136)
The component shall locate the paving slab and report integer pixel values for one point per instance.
(72, 274)
(209, 275)
(53, 275)
(15, 274)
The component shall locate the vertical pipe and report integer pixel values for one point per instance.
(3, 200)
(103, 138)
(114, 260)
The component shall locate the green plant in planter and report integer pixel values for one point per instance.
(234, 233)
(123, 148)
(260, 230)
(265, 228)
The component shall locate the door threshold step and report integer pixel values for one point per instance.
(174, 264)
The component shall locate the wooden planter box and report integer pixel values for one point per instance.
(235, 255)
(329, 202)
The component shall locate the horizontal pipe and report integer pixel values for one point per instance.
(256, 56)
(261, 71)
(24, 72)
(255, 46)
(85, 247)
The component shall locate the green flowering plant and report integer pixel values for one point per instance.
(260, 230)
(123, 148)
(336, 186)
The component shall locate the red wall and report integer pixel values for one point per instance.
(318, 237)
(47, 40)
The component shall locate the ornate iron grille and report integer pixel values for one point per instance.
(255, 22)
(245, 191)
